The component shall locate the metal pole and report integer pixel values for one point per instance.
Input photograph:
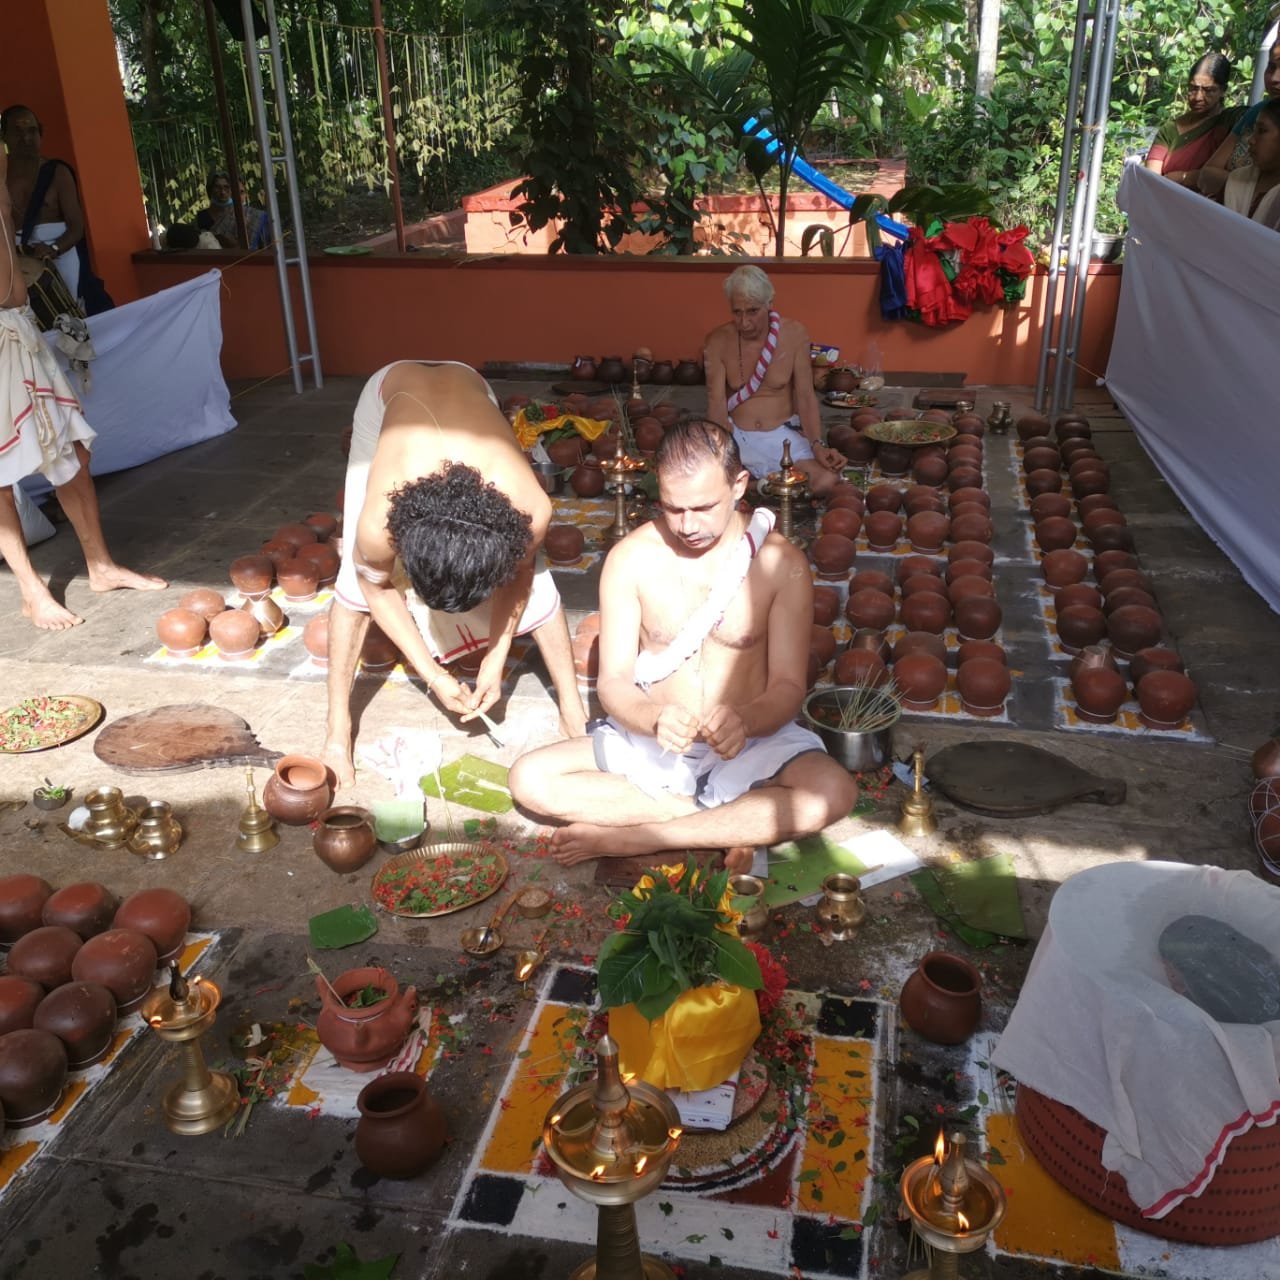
(388, 120)
(1059, 213)
(224, 121)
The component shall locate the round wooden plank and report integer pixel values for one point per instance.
(178, 739)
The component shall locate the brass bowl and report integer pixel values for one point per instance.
(469, 940)
(533, 902)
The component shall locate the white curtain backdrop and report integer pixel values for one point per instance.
(1195, 362)
(157, 384)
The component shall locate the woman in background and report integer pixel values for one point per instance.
(1185, 144)
(1234, 151)
(1254, 191)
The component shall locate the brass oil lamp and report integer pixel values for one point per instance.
(618, 470)
(257, 832)
(789, 484)
(611, 1144)
(917, 817)
(954, 1205)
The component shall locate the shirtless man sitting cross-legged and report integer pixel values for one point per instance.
(705, 618)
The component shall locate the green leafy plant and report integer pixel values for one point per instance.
(677, 933)
(52, 791)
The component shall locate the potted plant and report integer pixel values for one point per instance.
(50, 796)
(677, 981)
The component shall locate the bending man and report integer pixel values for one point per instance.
(705, 618)
(760, 385)
(444, 517)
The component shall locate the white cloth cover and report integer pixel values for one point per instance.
(157, 382)
(1193, 363)
(1099, 1027)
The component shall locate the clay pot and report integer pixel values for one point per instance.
(978, 618)
(315, 637)
(364, 1039)
(921, 677)
(1031, 424)
(181, 631)
(252, 575)
(1122, 597)
(344, 841)
(894, 460)
(833, 555)
(968, 549)
(567, 452)
(984, 685)
(322, 558)
(823, 643)
(936, 415)
(297, 534)
(1089, 482)
(826, 605)
(605, 446)
(846, 497)
(1046, 481)
(909, 566)
(564, 543)
(942, 1000)
(969, 586)
(1055, 533)
(861, 667)
(1166, 699)
(1041, 459)
(840, 436)
(587, 480)
(860, 449)
(883, 529)
(298, 791)
(611, 369)
(583, 369)
(208, 604)
(1071, 426)
(1155, 659)
(324, 525)
(1079, 626)
(298, 580)
(1063, 567)
(961, 497)
(843, 521)
(1115, 579)
(268, 615)
(1075, 448)
(662, 374)
(871, 580)
(884, 497)
(861, 418)
(33, 1071)
(964, 477)
(586, 648)
(967, 569)
(969, 423)
(963, 455)
(378, 653)
(927, 531)
(688, 373)
(913, 642)
(19, 999)
(235, 633)
(872, 641)
(87, 908)
(1106, 562)
(870, 608)
(83, 1016)
(1096, 519)
(1132, 628)
(1093, 655)
(1078, 594)
(1100, 693)
(1266, 759)
(401, 1129)
(918, 505)
(1112, 537)
(45, 954)
(926, 612)
(648, 433)
(971, 526)
(980, 650)
(22, 899)
(919, 582)
(930, 470)
(163, 915)
(277, 552)
(122, 960)
(1096, 502)
(1044, 505)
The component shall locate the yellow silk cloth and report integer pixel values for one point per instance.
(698, 1043)
(527, 432)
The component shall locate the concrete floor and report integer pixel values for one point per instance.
(149, 1205)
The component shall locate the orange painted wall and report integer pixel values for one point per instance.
(58, 57)
(547, 310)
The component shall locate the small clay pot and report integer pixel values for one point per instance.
(969, 423)
(1096, 502)
(298, 791)
(648, 433)
(1063, 567)
(980, 650)
(926, 612)
(822, 642)
(962, 455)
(968, 549)
(833, 555)
(1077, 594)
(345, 840)
(315, 638)
(1106, 562)
(840, 436)
(606, 446)
(19, 999)
(884, 497)
(252, 575)
(22, 899)
(688, 373)
(583, 369)
(1041, 459)
(1031, 424)
(860, 449)
(1115, 579)
(235, 633)
(978, 618)
(1079, 626)
(1112, 537)
(1090, 481)
(918, 505)
(1046, 481)
(861, 667)
(45, 955)
(872, 641)
(984, 685)
(871, 580)
(297, 534)
(927, 531)
(662, 374)
(1044, 505)
(1156, 658)
(913, 642)
(1121, 597)
(963, 476)
(846, 497)
(268, 615)
(967, 569)
(883, 529)
(324, 525)
(1093, 655)
(1132, 628)
(401, 1129)
(33, 1072)
(208, 604)
(87, 908)
(163, 915)
(1071, 426)
(567, 452)
(921, 678)
(122, 960)
(826, 605)
(962, 497)
(1096, 519)
(843, 521)
(930, 470)
(942, 1000)
(972, 526)
(909, 566)
(181, 631)
(364, 1038)
(894, 460)
(83, 1016)
(1265, 761)
(968, 586)
(277, 551)
(919, 582)
(378, 653)
(1055, 533)
(322, 558)
(1100, 693)
(587, 480)
(870, 608)
(1166, 699)
(298, 580)
(564, 543)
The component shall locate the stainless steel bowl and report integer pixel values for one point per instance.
(406, 844)
(857, 750)
(550, 476)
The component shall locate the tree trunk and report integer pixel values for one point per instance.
(784, 176)
(150, 40)
(988, 45)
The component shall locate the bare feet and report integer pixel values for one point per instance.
(49, 615)
(337, 755)
(582, 841)
(115, 577)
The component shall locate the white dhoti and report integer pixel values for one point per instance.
(68, 263)
(40, 418)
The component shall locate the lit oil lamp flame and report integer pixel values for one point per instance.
(640, 1164)
(939, 1149)
(598, 1172)
(628, 1077)
(524, 971)
(156, 1020)
(674, 1134)
(963, 1221)
(555, 1119)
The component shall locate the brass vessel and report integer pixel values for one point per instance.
(841, 910)
(111, 821)
(158, 833)
(917, 817)
(748, 893)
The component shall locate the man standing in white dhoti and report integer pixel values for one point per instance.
(705, 621)
(42, 429)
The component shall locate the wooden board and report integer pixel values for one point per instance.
(1011, 779)
(179, 739)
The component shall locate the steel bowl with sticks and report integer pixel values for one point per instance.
(855, 722)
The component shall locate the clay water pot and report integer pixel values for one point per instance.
(208, 604)
(344, 841)
(564, 543)
(964, 477)
(942, 1000)
(1096, 519)
(1031, 424)
(605, 446)
(297, 534)
(1063, 567)
(1093, 655)
(1089, 482)
(586, 648)
(122, 960)
(861, 418)
(45, 955)
(688, 373)
(22, 899)
(967, 569)
(968, 549)
(1037, 442)
(648, 433)
(1044, 505)
(662, 374)
(611, 369)
(315, 638)
(870, 608)
(860, 449)
(567, 452)
(980, 650)
(967, 440)
(969, 424)
(930, 470)
(1096, 502)
(1071, 426)
(1112, 537)
(1078, 594)
(871, 580)
(843, 521)
(964, 455)
(277, 551)
(86, 907)
(1106, 562)
(883, 529)
(322, 558)
(826, 605)
(83, 1016)
(927, 531)
(894, 460)
(914, 642)
(841, 436)
(984, 685)
(919, 504)
(968, 506)
(861, 667)
(298, 580)
(1079, 626)
(583, 369)
(33, 1072)
(833, 555)
(1115, 579)
(1076, 447)
(587, 480)
(401, 1129)
(926, 612)
(970, 526)
(936, 415)
(1132, 628)
(919, 582)
(378, 653)
(978, 618)
(364, 1038)
(909, 566)
(961, 497)
(1100, 693)
(1156, 658)
(1265, 761)
(1044, 481)
(846, 498)
(884, 497)
(298, 791)
(1166, 699)
(872, 641)
(968, 586)
(163, 915)
(324, 526)
(252, 575)
(921, 678)
(823, 643)
(19, 999)
(1122, 597)
(235, 633)
(1083, 462)
(1041, 459)
(1055, 533)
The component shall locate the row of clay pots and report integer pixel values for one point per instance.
(685, 373)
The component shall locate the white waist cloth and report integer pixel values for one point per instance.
(1099, 1027)
(68, 263)
(40, 418)
(761, 451)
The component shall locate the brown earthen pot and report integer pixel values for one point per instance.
(1055, 533)
(870, 608)
(1041, 459)
(401, 1129)
(235, 633)
(1100, 693)
(967, 549)
(606, 446)
(83, 1016)
(967, 569)
(1082, 462)
(930, 470)
(298, 534)
(1044, 505)
(122, 960)
(1122, 597)
(1156, 658)
(1078, 593)
(45, 955)
(1096, 502)
(894, 460)
(378, 653)
(921, 679)
(920, 642)
(1265, 761)
(567, 452)
(649, 433)
(662, 374)
(960, 497)
(1114, 579)
(843, 521)
(911, 565)
(984, 650)
(984, 685)
(884, 497)
(87, 907)
(344, 839)
(861, 418)
(962, 455)
(822, 641)
(364, 1038)
(1090, 482)
(1106, 562)
(19, 999)
(927, 531)
(883, 529)
(252, 575)
(860, 449)
(1079, 626)
(1063, 567)
(163, 915)
(872, 641)
(298, 791)
(298, 580)
(1038, 442)
(978, 618)
(1166, 699)
(1047, 480)
(832, 554)
(861, 667)
(583, 369)
(22, 899)
(969, 423)
(322, 558)
(840, 436)
(1132, 628)
(919, 582)
(942, 1000)
(586, 648)
(871, 580)
(1112, 537)
(972, 526)
(315, 638)
(966, 586)
(846, 498)
(587, 480)
(181, 631)
(1075, 448)
(208, 604)
(1093, 655)
(564, 543)
(688, 373)
(33, 1072)
(277, 551)
(1071, 426)
(826, 605)
(1099, 517)
(1031, 424)
(964, 477)
(324, 525)
(926, 612)
(915, 505)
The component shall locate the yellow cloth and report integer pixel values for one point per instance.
(527, 432)
(697, 1044)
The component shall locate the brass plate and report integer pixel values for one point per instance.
(433, 853)
(850, 399)
(910, 432)
(88, 711)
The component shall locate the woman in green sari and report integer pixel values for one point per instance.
(1185, 144)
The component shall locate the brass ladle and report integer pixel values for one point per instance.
(484, 942)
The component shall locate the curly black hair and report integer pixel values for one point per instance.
(458, 537)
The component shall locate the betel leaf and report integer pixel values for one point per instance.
(624, 976)
(735, 962)
(657, 999)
